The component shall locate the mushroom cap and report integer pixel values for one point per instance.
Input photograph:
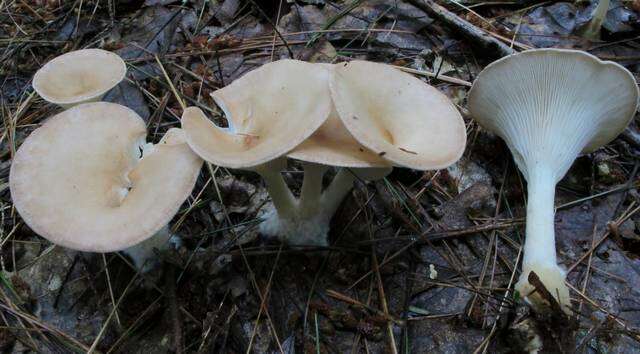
(397, 116)
(79, 76)
(333, 145)
(552, 104)
(79, 182)
(270, 111)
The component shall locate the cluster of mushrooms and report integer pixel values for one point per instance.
(87, 179)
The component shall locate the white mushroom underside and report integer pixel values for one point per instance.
(549, 106)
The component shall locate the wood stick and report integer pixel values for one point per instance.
(478, 37)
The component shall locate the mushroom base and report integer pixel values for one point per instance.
(297, 230)
(552, 277)
(143, 255)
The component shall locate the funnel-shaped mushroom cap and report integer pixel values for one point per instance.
(270, 111)
(333, 145)
(78, 180)
(79, 76)
(551, 104)
(397, 116)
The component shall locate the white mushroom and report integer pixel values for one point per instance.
(395, 113)
(86, 180)
(550, 105)
(270, 111)
(273, 110)
(397, 116)
(78, 77)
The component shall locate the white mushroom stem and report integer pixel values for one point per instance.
(540, 247)
(592, 29)
(283, 199)
(311, 188)
(338, 189)
(142, 254)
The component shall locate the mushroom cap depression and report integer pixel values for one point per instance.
(553, 103)
(79, 181)
(270, 111)
(397, 116)
(79, 76)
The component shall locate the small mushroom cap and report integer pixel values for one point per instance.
(79, 182)
(570, 96)
(79, 76)
(397, 116)
(333, 145)
(270, 111)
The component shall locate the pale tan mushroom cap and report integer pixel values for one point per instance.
(78, 180)
(79, 76)
(333, 145)
(270, 111)
(563, 93)
(397, 116)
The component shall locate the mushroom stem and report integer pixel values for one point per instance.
(306, 221)
(592, 29)
(142, 254)
(539, 247)
(311, 188)
(343, 182)
(338, 189)
(281, 195)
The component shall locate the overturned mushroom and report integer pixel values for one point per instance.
(550, 105)
(86, 180)
(78, 77)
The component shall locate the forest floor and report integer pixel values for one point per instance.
(420, 262)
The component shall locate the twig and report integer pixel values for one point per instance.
(173, 89)
(351, 301)
(113, 299)
(381, 293)
(275, 28)
(597, 244)
(478, 37)
(453, 80)
(172, 302)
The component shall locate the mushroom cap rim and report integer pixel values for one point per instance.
(80, 98)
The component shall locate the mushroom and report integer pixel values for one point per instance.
(87, 180)
(79, 76)
(397, 116)
(381, 117)
(546, 107)
(269, 111)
